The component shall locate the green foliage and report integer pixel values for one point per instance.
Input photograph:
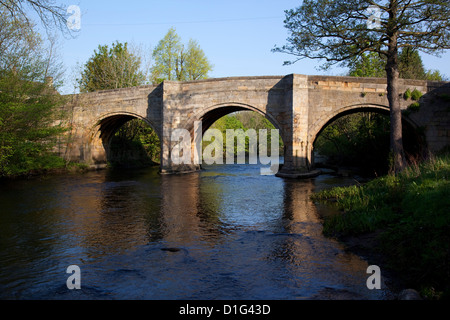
(434, 75)
(135, 144)
(368, 65)
(407, 94)
(414, 107)
(416, 95)
(174, 61)
(197, 65)
(166, 57)
(360, 139)
(412, 210)
(111, 68)
(244, 121)
(410, 66)
(27, 130)
(337, 31)
(30, 120)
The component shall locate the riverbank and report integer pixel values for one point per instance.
(402, 222)
(60, 167)
(53, 169)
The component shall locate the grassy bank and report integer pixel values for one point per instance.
(45, 165)
(410, 213)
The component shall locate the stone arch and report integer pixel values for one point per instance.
(326, 119)
(213, 113)
(105, 127)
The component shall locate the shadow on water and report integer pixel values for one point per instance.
(224, 233)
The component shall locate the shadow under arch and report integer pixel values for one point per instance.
(104, 129)
(413, 139)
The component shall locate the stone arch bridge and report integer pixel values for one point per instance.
(300, 106)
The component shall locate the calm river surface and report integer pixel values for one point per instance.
(224, 233)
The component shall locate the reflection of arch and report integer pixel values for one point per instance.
(213, 113)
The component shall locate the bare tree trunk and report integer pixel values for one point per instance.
(392, 74)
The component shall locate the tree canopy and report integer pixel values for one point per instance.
(111, 68)
(338, 31)
(175, 61)
(410, 66)
(29, 126)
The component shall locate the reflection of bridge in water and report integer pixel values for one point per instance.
(223, 233)
(299, 106)
(208, 231)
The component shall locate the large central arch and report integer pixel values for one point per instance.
(208, 116)
(213, 113)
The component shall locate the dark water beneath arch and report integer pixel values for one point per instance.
(224, 233)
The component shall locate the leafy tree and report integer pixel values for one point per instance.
(174, 61)
(410, 66)
(111, 68)
(368, 65)
(196, 65)
(29, 126)
(334, 141)
(434, 75)
(135, 143)
(166, 57)
(28, 133)
(340, 30)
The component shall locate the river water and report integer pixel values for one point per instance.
(226, 232)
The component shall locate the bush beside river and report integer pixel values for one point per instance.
(403, 218)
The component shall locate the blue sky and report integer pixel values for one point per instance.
(236, 36)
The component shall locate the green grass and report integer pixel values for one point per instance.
(412, 211)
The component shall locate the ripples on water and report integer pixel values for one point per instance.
(224, 233)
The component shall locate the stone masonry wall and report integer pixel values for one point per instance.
(298, 105)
